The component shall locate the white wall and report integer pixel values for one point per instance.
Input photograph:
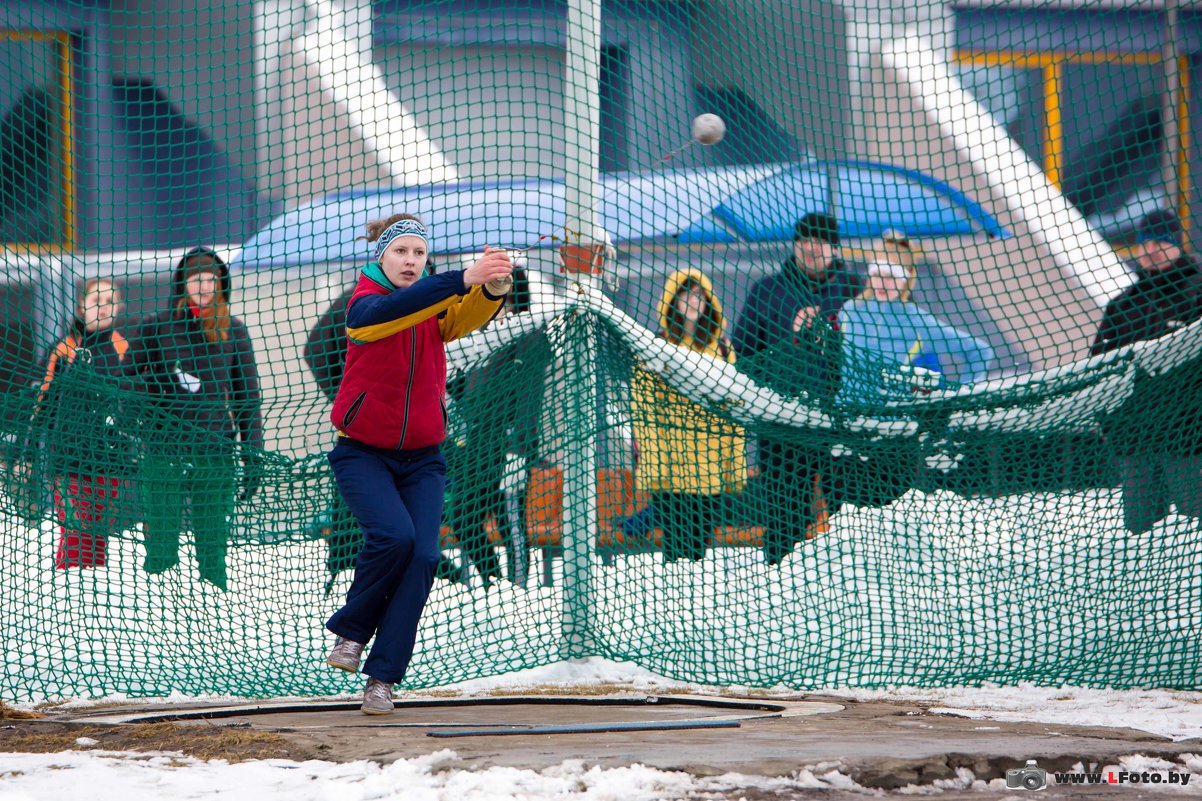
(496, 111)
(280, 308)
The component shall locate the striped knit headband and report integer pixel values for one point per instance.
(401, 228)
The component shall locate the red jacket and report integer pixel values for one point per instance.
(393, 392)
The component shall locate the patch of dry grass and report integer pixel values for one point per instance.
(205, 741)
(12, 713)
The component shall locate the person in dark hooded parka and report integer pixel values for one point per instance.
(787, 339)
(198, 362)
(1157, 434)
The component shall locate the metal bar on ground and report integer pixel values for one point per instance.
(588, 728)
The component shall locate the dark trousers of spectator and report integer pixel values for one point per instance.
(397, 498)
(476, 499)
(1151, 482)
(787, 474)
(687, 522)
(84, 507)
(204, 480)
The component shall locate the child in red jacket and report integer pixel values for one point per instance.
(391, 414)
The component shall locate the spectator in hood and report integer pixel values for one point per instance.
(690, 460)
(198, 362)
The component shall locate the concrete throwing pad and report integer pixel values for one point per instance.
(490, 716)
(879, 745)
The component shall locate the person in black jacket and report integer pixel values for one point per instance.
(89, 455)
(786, 339)
(325, 348)
(1157, 434)
(198, 362)
(501, 402)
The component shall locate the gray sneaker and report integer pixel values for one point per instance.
(345, 655)
(377, 697)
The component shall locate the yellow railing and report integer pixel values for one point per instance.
(1051, 64)
(65, 68)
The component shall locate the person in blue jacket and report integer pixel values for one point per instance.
(894, 350)
(391, 416)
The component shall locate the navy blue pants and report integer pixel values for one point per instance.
(397, 498)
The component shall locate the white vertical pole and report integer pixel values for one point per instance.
(582, 117)
(582, 122)
(275, 21)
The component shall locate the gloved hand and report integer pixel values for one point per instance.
(253, 469)
(499, 286)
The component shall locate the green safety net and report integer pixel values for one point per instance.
(887, 372)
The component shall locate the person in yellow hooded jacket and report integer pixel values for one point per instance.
(689, 458)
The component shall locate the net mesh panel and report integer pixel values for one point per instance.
(923, 457)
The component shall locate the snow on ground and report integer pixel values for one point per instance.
(124, 777)
(112, 776)
(1176, 715)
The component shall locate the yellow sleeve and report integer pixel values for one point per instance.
(642, 396)
(646, 392)
(378, 331)
(472, 311)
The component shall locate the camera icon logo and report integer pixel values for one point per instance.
(1029, 777)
